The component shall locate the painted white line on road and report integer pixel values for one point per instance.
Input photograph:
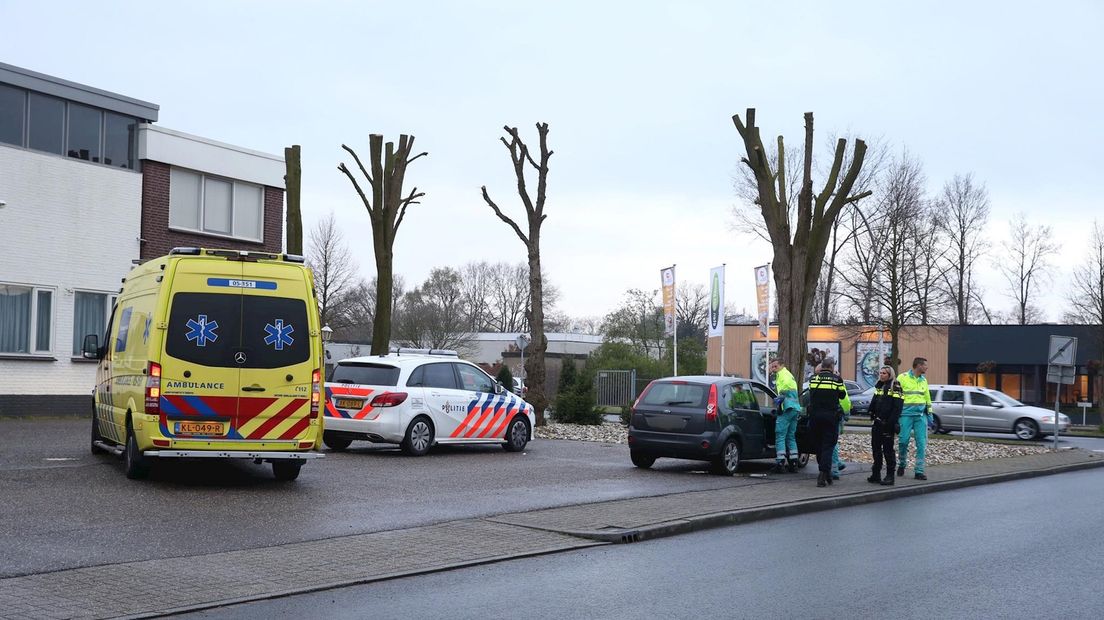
(59, 458)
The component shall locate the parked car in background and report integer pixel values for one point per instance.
(990, 411)
(860, 402)
(722, 420)
(519, 387)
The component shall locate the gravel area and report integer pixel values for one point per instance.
(854, 447)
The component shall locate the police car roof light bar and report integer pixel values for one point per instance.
(435, 352)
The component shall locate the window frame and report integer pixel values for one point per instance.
(131, 164)
(33, 349)
(112, 299)
(459, 367)
(202, 210)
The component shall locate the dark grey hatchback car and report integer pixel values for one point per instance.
(721, 420)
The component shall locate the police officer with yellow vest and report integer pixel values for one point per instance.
(827, 401)
(916, 416)
(885, 413)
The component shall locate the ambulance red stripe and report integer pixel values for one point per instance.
(249, 408)
(297, 429)
(275, 420)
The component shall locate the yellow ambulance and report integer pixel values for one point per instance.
(211, 354)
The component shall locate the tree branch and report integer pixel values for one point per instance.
(359, 164)
(504, 217)
(363, 198)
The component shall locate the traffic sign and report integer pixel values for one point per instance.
(1061, 374)
(1063, 351)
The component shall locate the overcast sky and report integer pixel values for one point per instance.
(639, 98)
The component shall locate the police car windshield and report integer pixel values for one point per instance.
(365, 374)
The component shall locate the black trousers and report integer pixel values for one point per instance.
(825, 430)
(881, 442)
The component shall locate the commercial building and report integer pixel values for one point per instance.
(1009, 358)
(90, 186)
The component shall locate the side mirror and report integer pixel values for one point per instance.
(499, 388)
(91, 348)
(998, 405)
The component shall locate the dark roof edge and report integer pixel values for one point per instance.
(50, 85)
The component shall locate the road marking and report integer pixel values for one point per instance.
(59, 458)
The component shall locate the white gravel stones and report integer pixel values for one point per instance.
(854, 447)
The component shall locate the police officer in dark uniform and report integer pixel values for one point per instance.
(827, 400)
(885, 412)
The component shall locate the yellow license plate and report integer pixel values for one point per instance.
(200, 428)
(350, 403)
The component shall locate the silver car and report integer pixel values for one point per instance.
(990, 411)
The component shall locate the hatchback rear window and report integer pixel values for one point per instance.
(676, 394)
(365, 374)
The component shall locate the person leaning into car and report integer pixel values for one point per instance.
(827, 401)
(785, 426)
(916, 417)
(885, 412)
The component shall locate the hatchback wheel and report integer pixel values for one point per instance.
(728, 461)
(641, 459)
(517, 435)
(285, 471)
(1026, 429)
(419, 437)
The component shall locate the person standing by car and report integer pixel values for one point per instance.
(916, 417)
(827, 401)
(785, 426)
(885, 413)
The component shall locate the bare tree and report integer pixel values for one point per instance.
(386, 209)
(692, 310)
(927, 260)
(432, 315)
(1086, 298)
(335, 272)
(638, 321)
(358, 310)
(477, 282)
(964, 207)
(534, 211)
(1025, 261)
(798, 246)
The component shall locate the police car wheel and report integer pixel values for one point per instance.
(334, 442)
(286, 471)
(517, 435)
(135, 464)
(96, 435)
(419, 437)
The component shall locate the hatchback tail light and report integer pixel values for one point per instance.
(153, 389)
(389, 399)
(316, 392)
(711, 406)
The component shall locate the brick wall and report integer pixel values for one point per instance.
(155, 219)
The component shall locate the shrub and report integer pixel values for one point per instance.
(626, 414)
(505, 377)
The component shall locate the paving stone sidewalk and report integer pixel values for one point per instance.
(157, 587)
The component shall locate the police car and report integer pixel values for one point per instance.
(418, 398)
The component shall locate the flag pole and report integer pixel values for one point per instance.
(722, 317)
(674, 296)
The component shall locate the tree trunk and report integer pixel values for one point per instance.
(534, 362)
(381, 324)
(293, 183)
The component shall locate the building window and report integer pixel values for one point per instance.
(85, 132)
(47, 123)
(206, 204)
(90, 314)
(44, 123)
(119, 136)
(13, 113)
(22, 307)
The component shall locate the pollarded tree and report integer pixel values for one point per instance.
(799, 245)
(386, 208)
(534, 213)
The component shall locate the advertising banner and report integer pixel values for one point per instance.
(762, 297)
(868, 360)
(816, 351)
(716, 302)
(668, 277)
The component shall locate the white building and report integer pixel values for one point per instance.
(89, 188)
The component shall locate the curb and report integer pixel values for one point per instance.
(748, 515)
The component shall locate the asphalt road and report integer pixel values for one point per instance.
(985, 552)
(65, 508)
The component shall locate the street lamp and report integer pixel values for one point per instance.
(327, 333)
